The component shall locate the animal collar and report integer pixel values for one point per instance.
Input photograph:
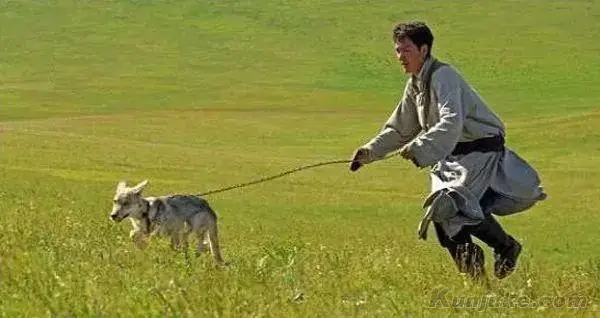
(146, 215)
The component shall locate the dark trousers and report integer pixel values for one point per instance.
(489, 231)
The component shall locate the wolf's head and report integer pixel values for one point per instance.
(128, 202)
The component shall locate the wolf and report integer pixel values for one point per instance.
(174, 216)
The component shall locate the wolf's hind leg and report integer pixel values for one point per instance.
(213, 241)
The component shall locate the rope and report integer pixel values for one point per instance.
(265, 179)
(274, 177)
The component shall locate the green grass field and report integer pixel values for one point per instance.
(196, 95)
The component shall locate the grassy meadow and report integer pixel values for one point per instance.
(197, 95)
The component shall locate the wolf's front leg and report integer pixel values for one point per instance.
(179, 241)
(175, 241)
(139, 239)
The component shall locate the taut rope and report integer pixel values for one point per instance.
(241, 185)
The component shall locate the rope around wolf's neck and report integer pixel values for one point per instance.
(241, 185)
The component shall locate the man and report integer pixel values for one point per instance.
(441, 122)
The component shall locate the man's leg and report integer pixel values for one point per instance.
(467, 255)
(506, 248)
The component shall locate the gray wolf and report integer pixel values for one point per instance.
(174, 216)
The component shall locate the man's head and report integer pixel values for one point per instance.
(412, 42)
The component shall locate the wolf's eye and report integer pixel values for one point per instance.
(115, 201)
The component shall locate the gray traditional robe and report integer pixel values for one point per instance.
(456, 113)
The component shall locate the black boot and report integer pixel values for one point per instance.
(469, 259)
(506, 260)
(506, 248)
(467, 255)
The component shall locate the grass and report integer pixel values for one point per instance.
(194, 96)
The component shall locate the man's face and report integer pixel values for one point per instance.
(409, 55)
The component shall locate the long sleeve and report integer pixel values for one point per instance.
(400, 128)
(439, 140)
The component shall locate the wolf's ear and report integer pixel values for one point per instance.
(121, 185)
(140, 186)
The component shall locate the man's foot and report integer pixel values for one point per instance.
(506, 261)
(469, 259)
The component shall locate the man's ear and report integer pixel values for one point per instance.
(424, 49)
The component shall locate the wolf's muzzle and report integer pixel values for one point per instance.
(115, 217)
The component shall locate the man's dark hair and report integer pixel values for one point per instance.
(418, 32)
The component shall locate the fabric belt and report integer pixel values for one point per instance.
(487, 144)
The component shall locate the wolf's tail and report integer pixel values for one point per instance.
(213, 241)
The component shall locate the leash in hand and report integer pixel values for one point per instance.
(241, 185)
(265, 179)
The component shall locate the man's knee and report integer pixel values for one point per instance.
(463, 236)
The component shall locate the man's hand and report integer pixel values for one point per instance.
(361, 157)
